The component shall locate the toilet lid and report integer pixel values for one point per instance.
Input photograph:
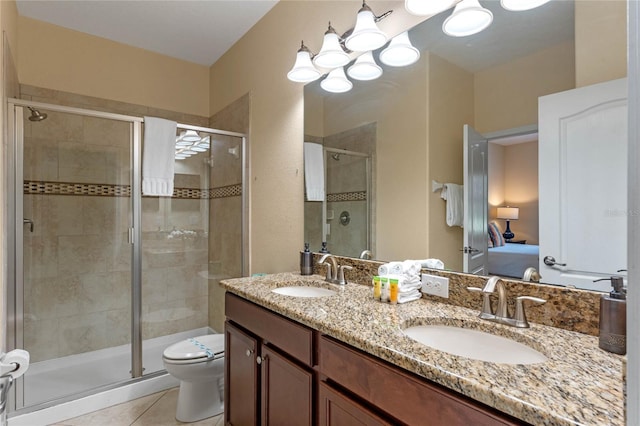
(198, 347)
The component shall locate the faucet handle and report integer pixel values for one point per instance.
(486, 312)
(341, 269)
(521, 318)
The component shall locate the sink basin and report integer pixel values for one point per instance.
(304, 291)
(474, 344)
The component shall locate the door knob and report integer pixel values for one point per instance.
(551, 261)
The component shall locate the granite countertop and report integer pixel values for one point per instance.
(579, 384)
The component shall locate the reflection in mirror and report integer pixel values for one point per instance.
(492, 81)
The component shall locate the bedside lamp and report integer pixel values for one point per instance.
(508, 213)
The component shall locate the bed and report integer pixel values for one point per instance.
(511, 260)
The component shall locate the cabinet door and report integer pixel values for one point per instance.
(240, 378)
(335, 409)
(286, 391)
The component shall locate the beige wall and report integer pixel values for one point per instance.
(451, 92)
(53, 57)
(548, 71)
(601, 41)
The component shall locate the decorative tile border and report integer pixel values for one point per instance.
(108, 190)
(347, 196)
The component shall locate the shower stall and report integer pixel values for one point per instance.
(106, 278)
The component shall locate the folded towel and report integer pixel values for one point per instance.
(314, 171)
(158, 156)
(391, 268)
(431, 263)
(409, 297)
(454, 194)
(411, 267)
(405, 282)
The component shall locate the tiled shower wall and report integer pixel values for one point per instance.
(346, 192)
(77, 288)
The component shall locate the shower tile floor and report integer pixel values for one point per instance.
(158, 409)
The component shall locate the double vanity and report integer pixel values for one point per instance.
(310, 352)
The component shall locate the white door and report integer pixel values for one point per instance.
(475, 251)
(583, 184)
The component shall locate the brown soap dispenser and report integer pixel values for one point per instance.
(613, 317)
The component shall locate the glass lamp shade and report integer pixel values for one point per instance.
(519, 5)
(190, 136)
(427, 7)
(365, 68)
(303, 70)
(467, 18)
(336, 82)
(331, 54)
(400, 52)
(366, 35)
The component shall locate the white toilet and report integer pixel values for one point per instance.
(199, 365)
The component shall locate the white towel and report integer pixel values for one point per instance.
(431, 263)
(409, 297)
(453, 194)
(158, 156)
(314, 171)
(391, 268)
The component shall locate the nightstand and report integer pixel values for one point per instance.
(516, 241)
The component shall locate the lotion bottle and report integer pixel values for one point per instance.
(613, 317)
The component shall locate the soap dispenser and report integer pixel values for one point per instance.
(613, 317)
(306, 261)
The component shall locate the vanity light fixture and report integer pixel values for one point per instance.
(427, 7)
(190, 136)
(331, 54)
(336, 82)
(400, 52)
(519, 5)
(468, 18)
(366, 35)
(303, 70)
(365, 68)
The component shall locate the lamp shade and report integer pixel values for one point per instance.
(427, 7)
(467, 18)
(366, 35)
(365, 68)
(336, 82)
(400, 52)
(518, 5)
(331, 54)
(508, 213)
(303, 70)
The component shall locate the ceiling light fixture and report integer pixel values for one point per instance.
(520, 5)
(427, 7)
(336, 82)
(468, 18)
(400, 52)
(366, 35)
(331, 54)
(190, 136)
(365, 68)
(303, 70)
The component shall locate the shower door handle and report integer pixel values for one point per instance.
(30, 222)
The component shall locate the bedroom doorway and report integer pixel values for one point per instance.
(511, 177)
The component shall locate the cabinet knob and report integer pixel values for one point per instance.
(249, 352)
(259, 360)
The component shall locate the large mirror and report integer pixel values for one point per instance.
(409, 125)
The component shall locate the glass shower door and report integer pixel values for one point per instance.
(75, 296)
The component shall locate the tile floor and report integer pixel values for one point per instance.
(158, 409)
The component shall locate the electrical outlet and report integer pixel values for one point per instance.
(435, 285)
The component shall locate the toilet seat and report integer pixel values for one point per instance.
(198, 349)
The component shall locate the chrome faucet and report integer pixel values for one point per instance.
(335, 273)
(501, 315)
(366, 254)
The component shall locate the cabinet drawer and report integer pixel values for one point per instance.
(291, 337)
(406, 397)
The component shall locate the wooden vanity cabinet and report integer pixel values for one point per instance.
(268, 367)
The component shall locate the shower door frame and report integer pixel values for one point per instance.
(14, 337)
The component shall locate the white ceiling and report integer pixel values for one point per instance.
(198, 31)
